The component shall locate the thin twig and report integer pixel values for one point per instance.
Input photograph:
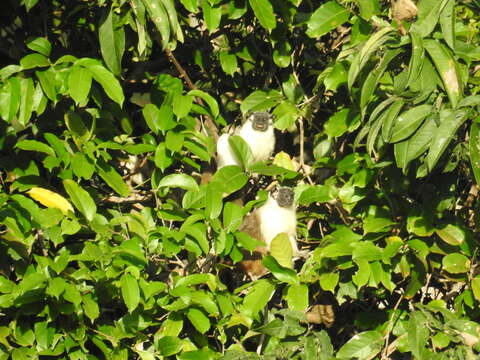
(424, 292)
(389, 328)
(302, 151)
(183, 74)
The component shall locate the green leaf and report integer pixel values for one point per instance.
(162, 157)
(260, 100)
(8, 71)
(451, 234)
(90, 307)
(213, 201)
(417, 335)
(40, 45)
(450, 121)
(183, 181)
(475, 285)
(474, 148)
(456, 263)
(152, 117)
(77, 128)
(336, 76)
(370, 83)
(159, 16)
(79, 84)
(232, 216)
(228, 62)
(297, 297)
(315, 193)
(174, 141)
(31, 61)
(169, 345)
(326, 18)
(361, 277)
(366, 250)
(368, 8)
(447, 22)
(198, 320)
(81, 199)
(419, 223)
(263, 10)
(198, 232)
(47, 80)
(190, 5)
(365, 345)
(211, 102)
(241, 150)
(447, 67)
(172, 16)
(285, 114)
(211, 15)
(130, 291)
(388, 120)
(417, 58)
(27, 89)
(230, 178)
(182, 105)
(428, 16)
(257, 298)
(29, 4)
(341, 122)
(283, 274)
(82, 166)
(361, 59)
(412, 148)
(112, 42)
(72, 294)
(281, 250)
(409, 121)
(34, 145)
(112, 178)
(329, 281)
(108, 82)
(42, 335)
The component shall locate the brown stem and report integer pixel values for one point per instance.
(385, 354)
(183, 74)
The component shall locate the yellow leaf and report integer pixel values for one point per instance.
(281, 250)
(283, 160)
(50, 199)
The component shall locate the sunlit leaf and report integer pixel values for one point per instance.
(326, 18)
(264, 12)
(456, 263)
(81, 199)
(51, 199)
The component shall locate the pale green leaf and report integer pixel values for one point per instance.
(326, 18)
(81, 199)
(263, 10)
(130, 291)
(112, 42)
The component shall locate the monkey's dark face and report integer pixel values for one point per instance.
(260, 120)
(284, 197)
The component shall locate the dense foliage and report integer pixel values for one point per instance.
(119, 239)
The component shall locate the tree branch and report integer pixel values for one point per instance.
(183, 74)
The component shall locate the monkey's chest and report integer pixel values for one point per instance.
(261, 143)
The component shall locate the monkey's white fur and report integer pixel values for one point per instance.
(275, 219)
(225, 154)
(261, 143)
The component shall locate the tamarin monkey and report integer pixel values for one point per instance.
(257, 131)
(277, 215)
